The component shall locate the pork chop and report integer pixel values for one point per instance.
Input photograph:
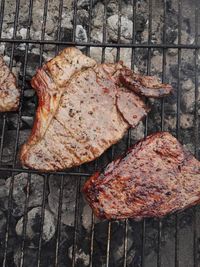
(83, 109)
(9, 92)
(154, 178)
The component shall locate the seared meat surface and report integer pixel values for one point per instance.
(83, 109)
(154, 178)
(9, 93)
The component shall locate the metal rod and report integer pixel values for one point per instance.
(74, 21)
(40, 172)
(44, 21)
(23, 84)
(108, 245)
(91, 44)
(196, 130)
(59, 220)
(143, 243)
(104, 31)
(178, 122)
(42, 220)
(1, 15)
(8, 220)
(78, 185)
(25, 220)
(12, 178)
(59, 215)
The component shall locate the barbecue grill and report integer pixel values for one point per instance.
(44, 220)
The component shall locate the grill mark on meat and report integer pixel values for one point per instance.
(144, 182)
(65, 144)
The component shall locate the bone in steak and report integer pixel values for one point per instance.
(83, 109)
(155, 177)
(9, 93)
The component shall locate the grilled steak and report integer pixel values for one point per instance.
(83, 109)
(9, 93)
(155, 177)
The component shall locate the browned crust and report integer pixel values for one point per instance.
(148, 86)
(99, 181)
(49, 83)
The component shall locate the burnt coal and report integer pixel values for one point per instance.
(3, 197)
(33, 227)
(68, 201)
(20, 191)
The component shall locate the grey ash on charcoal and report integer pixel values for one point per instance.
(137, 58)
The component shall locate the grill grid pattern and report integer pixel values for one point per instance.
(79, 174)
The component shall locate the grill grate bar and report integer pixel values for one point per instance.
(39, 172)
(42, 220)
(10, 203)
(74, 21)
(25, 220)
(125, 242)
(92, 240)
(59, 220)
(44, 21)
(143, 243)
(96, 162)
(23, 84)
(4, 116)
(104, 31)
(59, 23)
(59, 215)
(196, 83)
(78, 186)
(112, 149)
(178, 123)
(146, 121)
(91, 44)
(196, 130)
(162, 122)
(2, 137)
(108, 244)
(8, 219)
(90, 24)
(1, 15)
(129, 131)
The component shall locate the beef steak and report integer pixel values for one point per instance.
(9, 92)
(154, 178)
(83, 109)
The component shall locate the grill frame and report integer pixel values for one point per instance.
(78, 175)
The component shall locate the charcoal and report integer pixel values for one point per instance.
(33, 226)
(82, 259)
(81, 34)
(126, 28)
(68, 201)
(2, 225)
(20, 191)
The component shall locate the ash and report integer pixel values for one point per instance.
(68, 234)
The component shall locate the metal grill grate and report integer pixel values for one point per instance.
(128, 243)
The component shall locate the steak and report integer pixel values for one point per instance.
(9, 92)
(154, 178)
(83, 109)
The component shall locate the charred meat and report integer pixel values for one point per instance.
(84, 108)
(154, 178)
